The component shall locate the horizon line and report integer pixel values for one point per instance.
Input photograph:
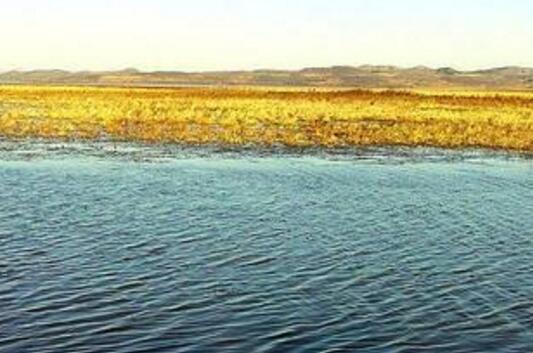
(229, 70)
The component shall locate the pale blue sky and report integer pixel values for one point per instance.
(248, 34)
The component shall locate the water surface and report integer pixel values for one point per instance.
(131, 248)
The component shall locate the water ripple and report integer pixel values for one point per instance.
(169, 249)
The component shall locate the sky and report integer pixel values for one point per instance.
(200, 35)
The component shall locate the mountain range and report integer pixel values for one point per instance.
(367, 76)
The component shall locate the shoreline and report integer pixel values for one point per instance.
(100, 147)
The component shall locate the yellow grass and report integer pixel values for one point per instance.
(293, 117)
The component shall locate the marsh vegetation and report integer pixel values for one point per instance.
(263, 116)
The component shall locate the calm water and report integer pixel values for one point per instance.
(160, 249)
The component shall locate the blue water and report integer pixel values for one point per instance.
(128, 248)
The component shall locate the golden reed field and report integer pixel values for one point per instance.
(263, 116)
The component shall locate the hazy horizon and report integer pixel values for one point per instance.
(234, 35)
(258, 69)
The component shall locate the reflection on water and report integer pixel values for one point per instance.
(131, 248)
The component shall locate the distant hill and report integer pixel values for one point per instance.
(366, 76)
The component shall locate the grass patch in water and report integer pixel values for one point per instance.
(269, 117)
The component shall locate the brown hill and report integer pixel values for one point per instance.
(367, 76)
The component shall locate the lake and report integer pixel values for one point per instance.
(135, 248)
